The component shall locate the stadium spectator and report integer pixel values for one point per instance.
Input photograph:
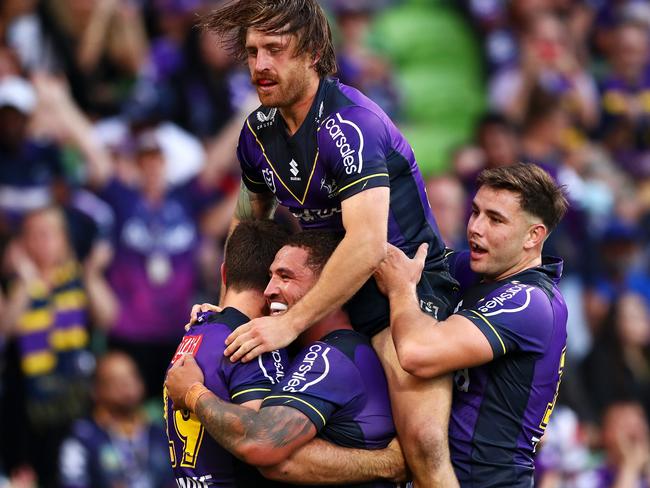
(448, 203)
(548, 62)
(99, 46)
(29, 167)
(625, 112)
(117, 445)
(626, 443)
(618, 365)
(52, 302)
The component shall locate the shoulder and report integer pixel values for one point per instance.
(346, 342)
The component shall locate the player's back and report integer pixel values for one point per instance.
(339, 384)
(198, 460)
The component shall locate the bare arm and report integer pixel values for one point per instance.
(78, 130)
(320, 462)
(261, 438)
(425, 347)
(365, 218)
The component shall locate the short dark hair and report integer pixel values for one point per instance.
(318, 243)
(249, 252)
(539, 194)
(304, 18)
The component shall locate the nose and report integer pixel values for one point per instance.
(475, 225)
(271, 290)
(262, 61)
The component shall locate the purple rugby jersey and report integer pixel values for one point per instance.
(197, 459)
(339, 384)
(500, 410)
(346, 145)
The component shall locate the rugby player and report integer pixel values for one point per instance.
(197, 460)
(507, 339)
(335, 388)
(335, 159)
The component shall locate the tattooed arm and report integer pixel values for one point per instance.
(262, 438)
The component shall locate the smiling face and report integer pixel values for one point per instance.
(503, 237)
(291, 279)
(280, 76)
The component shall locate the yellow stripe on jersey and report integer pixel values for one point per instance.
(360, 180)
(38, 363)
(75, 337)
(248, 391)
(35, 321)
(299, 400)
(70, 300)
(252, 180)
(493, 329)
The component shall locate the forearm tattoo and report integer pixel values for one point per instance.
(233, 426)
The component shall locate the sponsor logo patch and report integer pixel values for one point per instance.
(499, 304)
(189, 345)
(297, 382)
(348, 138)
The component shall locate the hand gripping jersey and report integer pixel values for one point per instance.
(346, 145)
(339, 384)
(500, 409)
(197, 460)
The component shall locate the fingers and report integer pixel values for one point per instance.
(421, 255)
(240, 348)
(242, 329)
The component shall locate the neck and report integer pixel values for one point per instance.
(337, 320)
(296, 113)
(125, 422)
(527, 262)
(249, 302)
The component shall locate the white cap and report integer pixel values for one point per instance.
(17, 93)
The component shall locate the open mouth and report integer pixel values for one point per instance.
(477, 250)
(277, 308)
(265, 83)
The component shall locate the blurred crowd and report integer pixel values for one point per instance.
(119, 121)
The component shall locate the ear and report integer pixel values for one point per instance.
(223, 275)
(315, 59)
(537, 234)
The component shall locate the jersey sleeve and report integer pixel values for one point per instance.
(255, 379)
(321, 381)
(354, 143)
(251, 176)
(514, 317)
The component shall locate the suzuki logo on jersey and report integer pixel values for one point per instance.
(268, 179)
(348, 141)
(294, 170)
(298, 379)
(491, 307)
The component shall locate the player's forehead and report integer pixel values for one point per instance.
(290, 258)
(256, 38)
(497, 200)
